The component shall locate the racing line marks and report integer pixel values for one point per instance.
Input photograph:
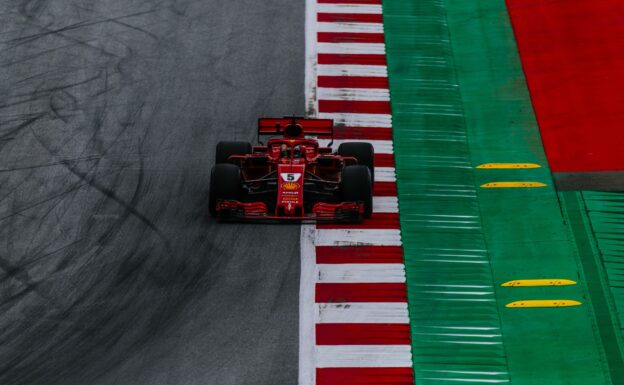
(354, 322)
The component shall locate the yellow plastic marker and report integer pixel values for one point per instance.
(513, 185)
(509, 165)
(539, 282)
(543, 303)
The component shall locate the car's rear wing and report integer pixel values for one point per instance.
(276, 126)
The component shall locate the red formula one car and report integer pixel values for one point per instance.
(292, 177)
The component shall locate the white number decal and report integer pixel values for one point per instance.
(290, 177)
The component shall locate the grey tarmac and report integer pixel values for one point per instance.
(111, 271)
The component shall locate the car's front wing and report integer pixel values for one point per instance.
(352, 212)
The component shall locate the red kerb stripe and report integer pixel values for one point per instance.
(385, 189)
(355, 106)
(360, 292)
(359, 254)
(362, 334)
(384, 160)
(355, 59)
(370, 133)
(352, 82)
(349, 17)
(364, 376)
(349, 37)
(376, 221)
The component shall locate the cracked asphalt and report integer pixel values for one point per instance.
(111, 271)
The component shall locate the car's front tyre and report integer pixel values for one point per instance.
(362, 151)
(356, 186)
(225, 184)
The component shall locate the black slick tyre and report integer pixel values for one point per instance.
(225, 184)
(362, 151)
(227, 149)
(356, 186)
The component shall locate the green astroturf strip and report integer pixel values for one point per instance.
(456, 330)
(459, 99)
(597, 219)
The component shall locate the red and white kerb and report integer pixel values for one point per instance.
(354, 324)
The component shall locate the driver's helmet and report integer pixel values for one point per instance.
(297, 151)
(285, 151)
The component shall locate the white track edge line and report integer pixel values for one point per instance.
(310, 59)
(307, 331)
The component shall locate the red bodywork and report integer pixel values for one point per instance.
(293, 177)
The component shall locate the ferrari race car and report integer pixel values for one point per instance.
(292, 177)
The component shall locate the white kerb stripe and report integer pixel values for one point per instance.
(307, 333)
(380, 146)
(385, 174)
(360, 273)
(385, 205)
(350, 27)
(349, 8)
(363, 94)
(352, 70)
(363, 356)
(365, 312)
(359, 120)
(352, 48)
(357, 237)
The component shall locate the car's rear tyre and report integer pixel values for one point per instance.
(227, 149)
(225, 184)
(356, 186)
(362, 151)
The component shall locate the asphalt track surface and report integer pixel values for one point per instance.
(612, 181)
(110, 270)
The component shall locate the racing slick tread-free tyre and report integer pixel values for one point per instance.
(227, 149)
(356, 186)
(363, 152)
(225, 183)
